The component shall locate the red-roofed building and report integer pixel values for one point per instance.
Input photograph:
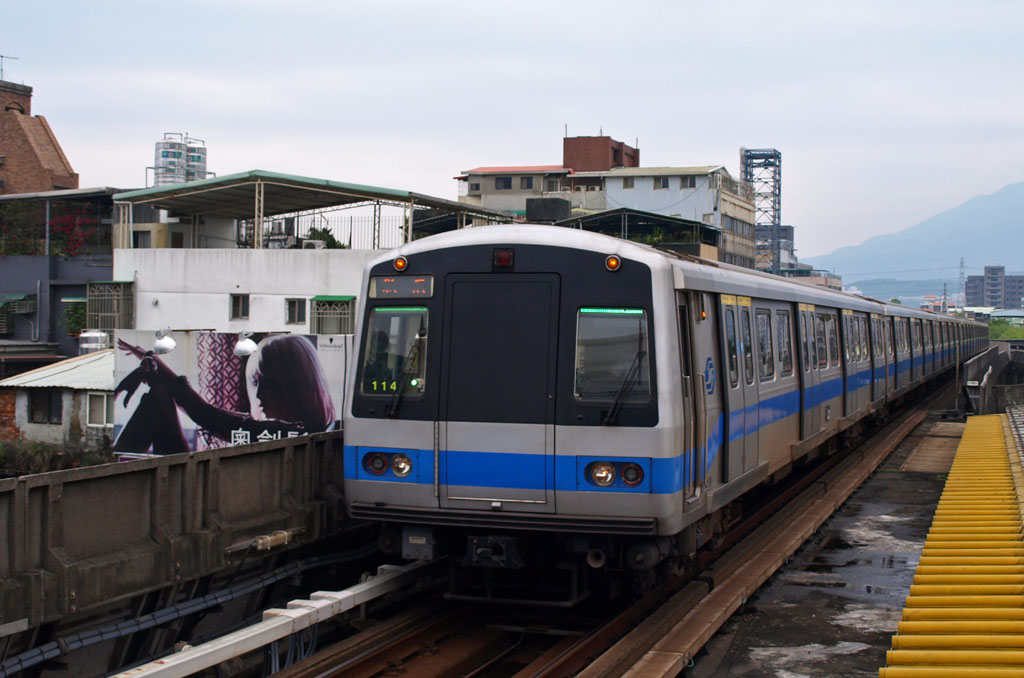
(507, 188)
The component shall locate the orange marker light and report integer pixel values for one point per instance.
(612, 263)
(401, 263)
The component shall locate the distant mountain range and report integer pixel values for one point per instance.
(986, 230)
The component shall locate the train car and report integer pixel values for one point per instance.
(536, 392)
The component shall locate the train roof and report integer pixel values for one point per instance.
(689, 272)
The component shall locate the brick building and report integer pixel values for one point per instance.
(597, 154)
(31, 159)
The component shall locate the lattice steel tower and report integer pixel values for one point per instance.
(762, 169)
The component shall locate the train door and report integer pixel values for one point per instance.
(810, 410)
(732, 439)
(689, 418)
(878, 359)
(903, 358)
(890, 355)
(751, 410)
(705, 377)
(740, 420)
(916, 354)
(850, 359)
(497, 405)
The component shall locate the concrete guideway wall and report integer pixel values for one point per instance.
(75, 540)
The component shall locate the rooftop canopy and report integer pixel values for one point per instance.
(234, 196)
(257, 194)
(647, 227)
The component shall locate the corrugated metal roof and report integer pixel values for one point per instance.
(89, 372)
(651, 171)
(519, 169)
(1008, 313)
(232, 196)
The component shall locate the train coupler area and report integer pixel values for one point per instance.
(494, 551)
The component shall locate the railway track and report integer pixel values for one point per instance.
(656, 636)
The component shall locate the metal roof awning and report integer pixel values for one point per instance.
(233, 196)
(333, 297)
(630, 223)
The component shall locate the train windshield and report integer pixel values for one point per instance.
(394, 359)
(612, 355)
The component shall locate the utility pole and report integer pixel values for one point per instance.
(963, 297)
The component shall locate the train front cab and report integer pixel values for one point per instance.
(529, 388)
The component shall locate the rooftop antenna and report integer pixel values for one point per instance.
(2, 57)
(566, 129)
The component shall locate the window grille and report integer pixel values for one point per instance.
(110, 306)
(332, 316)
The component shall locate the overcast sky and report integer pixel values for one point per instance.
(885, 112)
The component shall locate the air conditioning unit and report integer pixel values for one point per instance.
(313, 244)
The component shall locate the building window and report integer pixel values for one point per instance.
(101, 409)
(239, 306)
(110, 306)
(44, 406)
(627, 182)
(296, 311)
(526, 183)
(503, 183)
(332, 316)
(141, 240)
(660, 182)
(688, 182)
(552, 185)
(474, 186)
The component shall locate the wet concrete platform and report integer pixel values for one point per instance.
(833, 609)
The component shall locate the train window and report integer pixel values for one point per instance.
(819, 340)
(802, 324)
(833, 340)
(730, 343)
(748, 348)
(764, 343)
(863, 326)
(785, 351)
(612, 355)
(846, 336)
(394, 360)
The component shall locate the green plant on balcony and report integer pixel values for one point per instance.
(74, 319)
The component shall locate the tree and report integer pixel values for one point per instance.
(324, 234)
(999, 329)
(894, 300)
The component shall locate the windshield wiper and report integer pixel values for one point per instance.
(627, 385)
(392, 407)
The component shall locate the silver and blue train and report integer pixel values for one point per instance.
(534, 387)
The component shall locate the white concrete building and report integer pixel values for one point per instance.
(231, 290)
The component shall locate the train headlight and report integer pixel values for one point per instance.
(376, 463)
(602, 473)
(612, 262)
(632, 474)
(401, 465)
(400, 263)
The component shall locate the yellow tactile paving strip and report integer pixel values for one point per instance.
(965, 612)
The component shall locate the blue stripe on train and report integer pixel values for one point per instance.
(667, 475)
